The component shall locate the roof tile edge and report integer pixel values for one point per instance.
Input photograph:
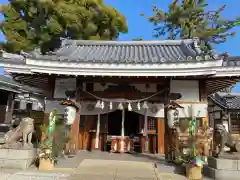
(119, 43)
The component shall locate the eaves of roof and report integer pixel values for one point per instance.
(218, 97)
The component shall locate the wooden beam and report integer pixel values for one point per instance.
(128, 95)
(213, 90)
(222, 84)
(223, 78)
(226, 83)
(145, 80)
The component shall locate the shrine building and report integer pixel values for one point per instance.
(124, 88)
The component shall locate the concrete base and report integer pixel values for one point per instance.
(222, 169)
(17, 158)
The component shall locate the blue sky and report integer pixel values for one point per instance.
(140, 27)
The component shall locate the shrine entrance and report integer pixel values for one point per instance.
(124, 124)
(115, 123)
(131, 123)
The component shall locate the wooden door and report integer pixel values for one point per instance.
(86, 124)
(160, 135)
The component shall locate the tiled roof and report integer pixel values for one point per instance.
(227, 100)
(8, 84)
(232, 61)
(166, 51)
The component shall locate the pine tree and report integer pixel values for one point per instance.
(189, 18)
(32, 24)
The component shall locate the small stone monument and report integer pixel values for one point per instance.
(18, 151)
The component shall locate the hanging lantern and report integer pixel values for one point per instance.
(129, 107)
(145, 106)
(102, 105)
(110, 105)
(69, 115)
(138, 106)
(172, 118)
(120, 106)
(98, 105)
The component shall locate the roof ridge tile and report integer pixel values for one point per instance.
(125, 43)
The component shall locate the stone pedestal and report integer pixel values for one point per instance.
(223, 168)
(17, 158)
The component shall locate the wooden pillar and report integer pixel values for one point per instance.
(142, 143)
(50, 89)
(166, 128)
(73, 145)
(9, 108)
(154, 141)
(122, 131)
(74, 135)
(229, 123)
(146, 131)
(202, 90)
(160, 135)
(97, 132)
(77, 121)
(203, 97)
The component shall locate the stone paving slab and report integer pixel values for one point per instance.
(90, 177)
(81, 155)
(5, 176)
(26, 175)
(114, 169)
(170, 176)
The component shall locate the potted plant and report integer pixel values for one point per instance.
(192, 159)
(46, 156)
(193, 164)
(52, 143)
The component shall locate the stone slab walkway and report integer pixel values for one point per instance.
(114, 170)
(81, 155)
(90, 169)
(101, 166)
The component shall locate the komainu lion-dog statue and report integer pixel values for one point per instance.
(23, 131)
(223, 138)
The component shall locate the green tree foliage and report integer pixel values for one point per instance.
(189, 18)
(32, 24)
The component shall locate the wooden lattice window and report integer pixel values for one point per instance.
(152, 124)
(235, 123)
